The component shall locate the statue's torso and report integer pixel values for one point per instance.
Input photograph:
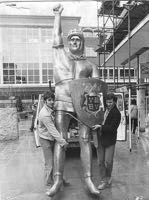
(67, 69)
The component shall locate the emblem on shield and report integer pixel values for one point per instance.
(93, 103)
(88, 100)
(92, 99)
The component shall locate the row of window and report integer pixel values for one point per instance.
(27, 35)
(34, 53)
(30, 73)
(30, 45)
(120, 73)
(33, 35)
(27, 73)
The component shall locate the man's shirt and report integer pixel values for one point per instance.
(46, 127)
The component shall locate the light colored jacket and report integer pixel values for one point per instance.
(46, 127)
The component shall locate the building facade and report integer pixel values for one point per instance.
(26, 53)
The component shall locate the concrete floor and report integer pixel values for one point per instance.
(21, 171)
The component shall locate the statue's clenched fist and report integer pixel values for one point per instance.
(57, 9)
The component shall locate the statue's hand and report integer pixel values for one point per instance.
(57, 9)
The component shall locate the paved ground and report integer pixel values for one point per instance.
(21, 171)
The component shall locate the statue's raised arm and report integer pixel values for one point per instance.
(57, 31)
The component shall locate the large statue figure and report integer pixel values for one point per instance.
(67, 67)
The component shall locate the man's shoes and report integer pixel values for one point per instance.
(105, 184)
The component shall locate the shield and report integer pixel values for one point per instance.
(88, 100)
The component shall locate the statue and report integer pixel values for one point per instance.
(67, 67)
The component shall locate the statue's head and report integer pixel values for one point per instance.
(75, 40)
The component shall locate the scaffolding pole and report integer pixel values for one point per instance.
(113, 17)
(129, 88)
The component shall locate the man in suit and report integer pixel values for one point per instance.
(107, 140)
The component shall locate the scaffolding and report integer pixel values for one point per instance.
(106, 12)
(124, 16)
(111, 11)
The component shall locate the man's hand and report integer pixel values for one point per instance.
(57, 9)
(95, 127)
(65, 145)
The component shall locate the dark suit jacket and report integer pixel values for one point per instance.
(109, 129)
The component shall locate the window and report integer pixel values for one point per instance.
(24, 48)
(8, 73)
(46, 54)
(110, 73)
(20, 73)
(33, 73)
(19, 35)
(105, 73)
(32, 35)
(132, 73)
(46, 35)
(116, 73)
(100, 73)
(122, 75)
(47, 72)
(32, 53)
(126, 73)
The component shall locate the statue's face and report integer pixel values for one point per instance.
(75, 44)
